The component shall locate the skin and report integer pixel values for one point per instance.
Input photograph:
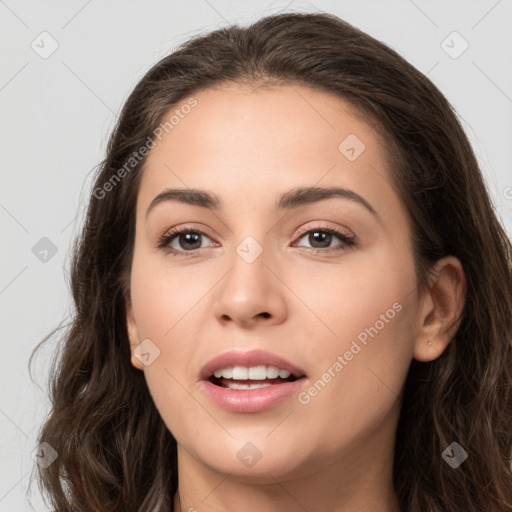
(249, 146)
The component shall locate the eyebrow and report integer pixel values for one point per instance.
(292, 199)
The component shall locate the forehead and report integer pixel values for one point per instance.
(246, 142)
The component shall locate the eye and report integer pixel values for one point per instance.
(187, 239)
(321, 237)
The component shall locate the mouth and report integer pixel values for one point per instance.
(253, 383)
(247, 383)
(248, 370)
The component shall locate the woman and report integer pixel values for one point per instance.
(338, 334)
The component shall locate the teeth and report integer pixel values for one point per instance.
(255, 385)
(272, 372)
(257, 372)
(240, 373)
(252, 373)
(227, 373)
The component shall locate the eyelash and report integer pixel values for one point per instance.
(165, 240)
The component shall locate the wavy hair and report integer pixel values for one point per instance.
(115, 452)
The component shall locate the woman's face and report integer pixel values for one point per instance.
(269, 277)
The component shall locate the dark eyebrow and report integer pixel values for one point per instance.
(301, 196)
(188, 196)
(291, 199)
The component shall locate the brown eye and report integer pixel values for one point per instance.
(181, 241)
(189, 240)
(321, 238)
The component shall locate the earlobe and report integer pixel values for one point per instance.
(441, 309)
(133, 337)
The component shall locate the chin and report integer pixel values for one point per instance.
(257, 461)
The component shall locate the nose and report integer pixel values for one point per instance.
(251, 292)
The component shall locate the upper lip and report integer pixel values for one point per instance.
(249, 358)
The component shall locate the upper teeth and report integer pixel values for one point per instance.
(251, 373)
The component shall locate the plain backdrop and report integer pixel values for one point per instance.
(57, 110)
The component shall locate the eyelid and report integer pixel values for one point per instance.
(339, 229)
(348, 240)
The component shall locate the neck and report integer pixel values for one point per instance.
(279, 497)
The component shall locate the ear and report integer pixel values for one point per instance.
(133, 336)
(441, 309)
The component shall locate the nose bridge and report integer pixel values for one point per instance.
(249, 288)
(250, 241)
(249, 261)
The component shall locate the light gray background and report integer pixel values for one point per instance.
(57, 113)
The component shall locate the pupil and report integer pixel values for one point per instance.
(188, 238)
(322, 235)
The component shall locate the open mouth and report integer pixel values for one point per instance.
(249, 383)
(252, 386)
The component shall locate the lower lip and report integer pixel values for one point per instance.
(251, 400)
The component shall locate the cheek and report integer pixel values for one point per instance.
(165, 297)
(345, 299)
(165, 307)
(365, 317)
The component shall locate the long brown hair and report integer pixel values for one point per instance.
(115, 452)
